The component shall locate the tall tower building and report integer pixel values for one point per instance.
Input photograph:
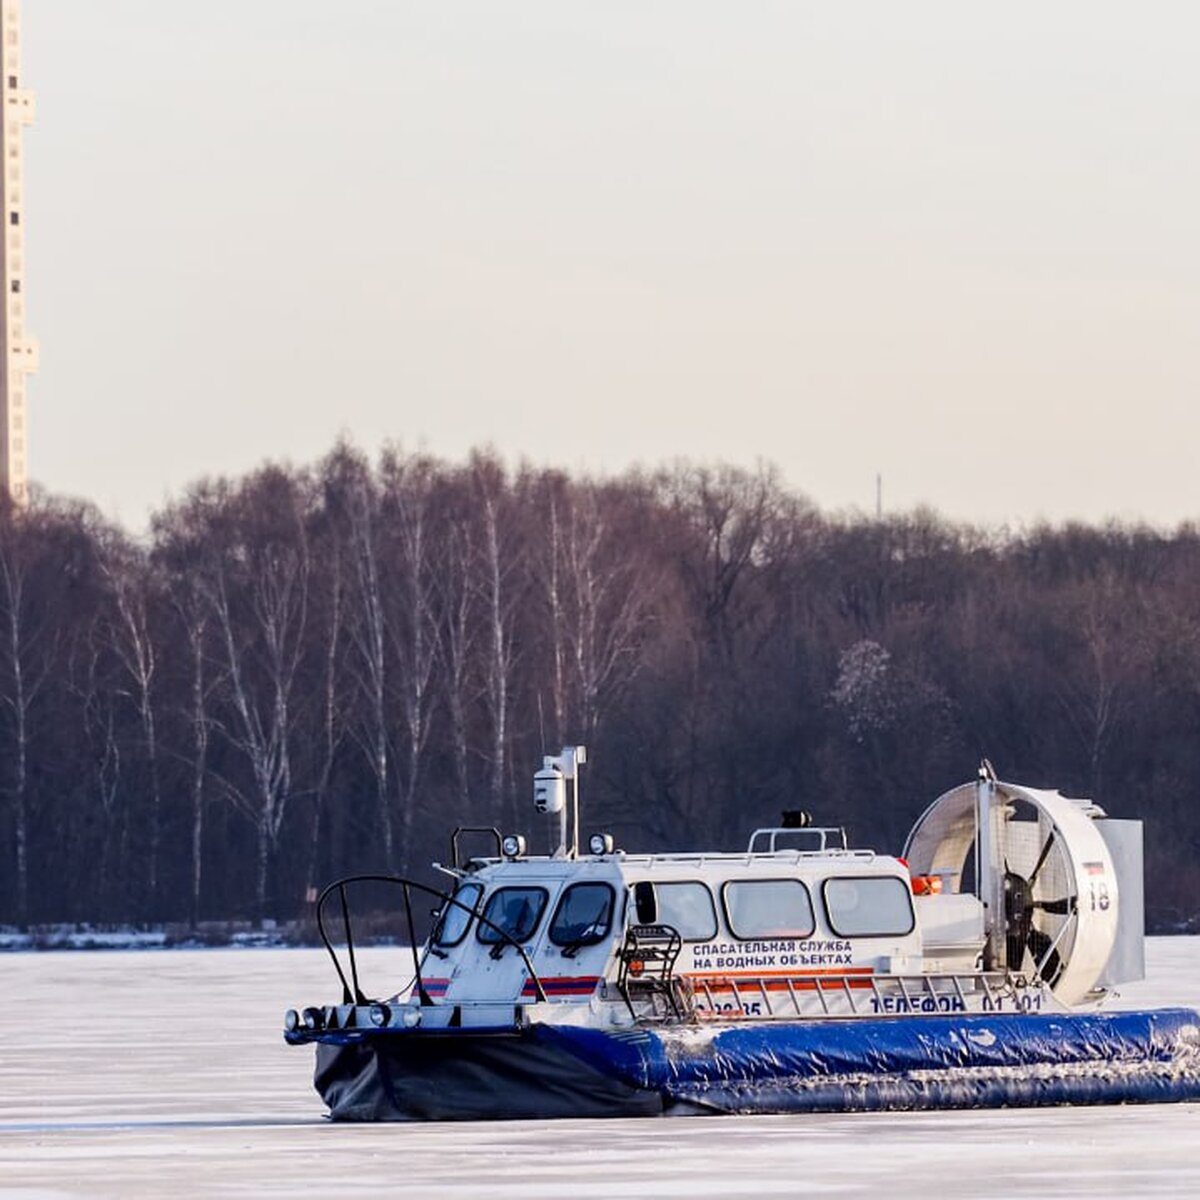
(18, 351)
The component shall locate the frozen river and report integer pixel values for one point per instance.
(164, 1073)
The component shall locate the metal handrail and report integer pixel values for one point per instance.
(820, 833)
(355, 995)
(491, 830)
(934, 986)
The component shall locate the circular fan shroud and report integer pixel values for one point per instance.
(1076, 865)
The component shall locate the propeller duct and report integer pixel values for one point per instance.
(1042, 871)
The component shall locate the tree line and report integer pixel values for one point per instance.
(308, 671)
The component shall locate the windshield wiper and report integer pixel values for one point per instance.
(591, 936)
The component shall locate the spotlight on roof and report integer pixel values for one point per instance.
(796, 818)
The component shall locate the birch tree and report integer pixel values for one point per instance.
(47, 559)
(455, 599)
(600, 592)
(132, 584)
(252, 565)
(407, 487)
(499, 557)
(368, 635)
(98, 702)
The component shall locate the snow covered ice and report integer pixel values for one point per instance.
(165, 1073)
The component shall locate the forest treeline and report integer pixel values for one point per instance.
(304, 672)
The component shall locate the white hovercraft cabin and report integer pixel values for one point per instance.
(797, 926)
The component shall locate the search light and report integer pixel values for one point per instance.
(513, 846)
(601, 843)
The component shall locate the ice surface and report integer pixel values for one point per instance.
(164, 1074)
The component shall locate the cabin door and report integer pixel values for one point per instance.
(574, 950)
(495, 969)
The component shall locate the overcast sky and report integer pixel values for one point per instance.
(957, 244)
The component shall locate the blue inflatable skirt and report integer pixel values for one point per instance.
(896, 1063)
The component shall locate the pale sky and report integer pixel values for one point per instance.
(955, 243)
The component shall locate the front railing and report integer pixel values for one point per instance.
(352, 993)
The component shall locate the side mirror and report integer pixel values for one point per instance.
(645, 903)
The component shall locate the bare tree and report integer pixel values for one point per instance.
(98, 699)
(550, 555)
(26, 643)
(599, 589)
(193, 614)
(46, 592)
(131, 582)
(498, 562)
(332, 716)
(413, 624)
(1094, 685)
(252, 564)
(368, 637)
(196, 627)
(184, 546)
(614, 592)
(728, 515)
(455, 601)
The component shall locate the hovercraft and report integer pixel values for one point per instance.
(801, 975)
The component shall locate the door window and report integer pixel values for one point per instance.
(583, 916)
(515, 910)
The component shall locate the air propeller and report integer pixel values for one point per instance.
(1020, 906)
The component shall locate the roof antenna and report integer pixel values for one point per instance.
(987, 773)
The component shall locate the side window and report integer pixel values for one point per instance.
(454, 922)
(516, 910)
(689, 908)
(869, 906)
(768, 908)
(583, 916)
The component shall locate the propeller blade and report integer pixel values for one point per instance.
(1041, 859)
(1061, 907)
